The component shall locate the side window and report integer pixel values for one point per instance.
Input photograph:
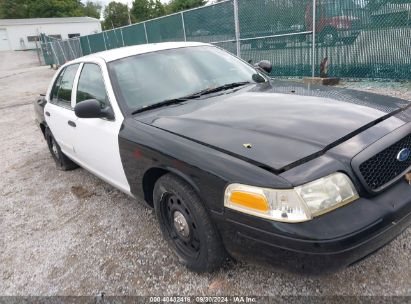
(91, 85)
(56, 86)
(61, 94)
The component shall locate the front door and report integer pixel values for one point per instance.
(96, 139)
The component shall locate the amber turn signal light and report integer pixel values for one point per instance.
(249, 200)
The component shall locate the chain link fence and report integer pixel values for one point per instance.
(359, 38)
(57, 51)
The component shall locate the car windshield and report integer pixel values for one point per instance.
(152, 78)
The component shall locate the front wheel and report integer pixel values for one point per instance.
(186, 225)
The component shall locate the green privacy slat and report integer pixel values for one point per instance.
(113, 39)
(211, 23)
(45, 49)
(48, 59)
(361, 39)
(133, 34)
(97, 43)
(119, 37)
(372, 44)
(85, 48)
(168, 28)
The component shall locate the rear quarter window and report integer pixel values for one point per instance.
(63, 86)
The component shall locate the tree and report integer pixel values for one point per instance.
(143, 10)
(54, 8)
(10, 9)
(92, 9)
(158, 9)
(181, 5)
(48, 8)
(115, 15)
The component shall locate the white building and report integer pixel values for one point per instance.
(21, 34)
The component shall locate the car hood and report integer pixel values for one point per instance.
(275, 124)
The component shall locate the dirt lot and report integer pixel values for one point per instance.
(69, 233)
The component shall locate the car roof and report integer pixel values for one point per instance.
(127, 51)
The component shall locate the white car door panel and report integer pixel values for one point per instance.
(58, 110)
(96, 146)
(57, 119)
(96, 140)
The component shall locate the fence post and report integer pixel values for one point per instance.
(104, 39)
(184, 26)
(64, 55)
(71, 49)
(314, 37)
(145, 32)
(237, 28)
(80, 47)
(122, 38)
(37, 49)
(57, 62)
(89, 46)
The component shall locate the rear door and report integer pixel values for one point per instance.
(58, 111)
(96, 139)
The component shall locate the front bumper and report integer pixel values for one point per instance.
(334, 240)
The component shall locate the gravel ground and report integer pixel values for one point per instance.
(69, 233)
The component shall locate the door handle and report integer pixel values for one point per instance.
(47, 113)
(71, 123)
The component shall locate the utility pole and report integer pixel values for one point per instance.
(237, 29)
(314, 21)
(129, 17)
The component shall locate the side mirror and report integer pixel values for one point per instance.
(91, 109)
(265, 66)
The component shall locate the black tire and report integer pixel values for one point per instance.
(198, 247)
(62, 161)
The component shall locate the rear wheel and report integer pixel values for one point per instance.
(186, 226)
(62, 161)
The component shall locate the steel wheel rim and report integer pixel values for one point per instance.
(180, 225)
(54, 148)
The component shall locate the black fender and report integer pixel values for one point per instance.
(208, 171)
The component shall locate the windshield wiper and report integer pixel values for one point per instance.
(222, 88)
(192, 96)
(164, 103)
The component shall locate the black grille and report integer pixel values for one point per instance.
(383, 167)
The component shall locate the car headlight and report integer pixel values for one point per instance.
(300, 204)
